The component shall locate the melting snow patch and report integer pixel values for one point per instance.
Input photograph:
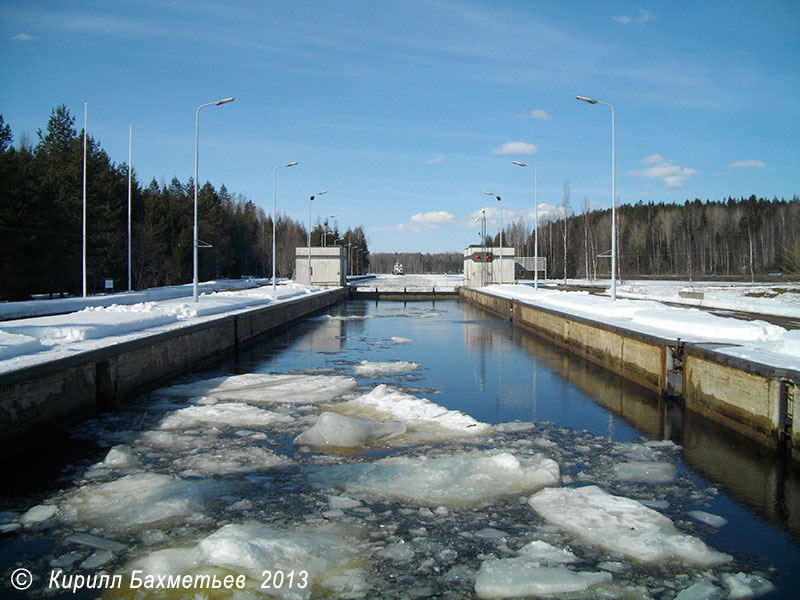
(261, 388)
(454, 481)
(335, 430)
(621, 525)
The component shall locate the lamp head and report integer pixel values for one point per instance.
(585, 99)
(224, 101)
(291, 164)
(519, 164)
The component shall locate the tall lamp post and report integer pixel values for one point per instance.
(536, 221)
(274, 214)
(613, 197)
(501, 233)
(130, 146)
(196, 146)
(310, 199)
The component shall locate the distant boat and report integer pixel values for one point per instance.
(398, 269)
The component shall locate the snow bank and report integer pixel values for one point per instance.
(424, 420)
(334, 430)
(135, 501)
(324, 558)
(621, 525)
(262, 388)
(455, 481)
(14, 344)
(375, 369)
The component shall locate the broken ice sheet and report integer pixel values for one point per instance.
(424, 420)
(621, 525)
(466, 479)
(135, 501)
(263, 388)
(333, 430)
(375, 369)
(228, 414)
(322, 558)
(519, 578)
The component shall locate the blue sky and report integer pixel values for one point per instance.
(406, 112)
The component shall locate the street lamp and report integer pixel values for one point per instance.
(536, 221)
(310, 199)
(501, 233)
(325, 232)
(274, 214)
(613, 197)
(196, 146)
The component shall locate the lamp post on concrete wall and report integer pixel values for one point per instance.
(275, 215)
(196, 147)
(613, 197)
(310, 200)
(536, 221)
(500, 200)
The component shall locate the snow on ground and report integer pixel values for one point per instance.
(24, 342)
(755, 340)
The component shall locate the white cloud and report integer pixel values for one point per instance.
(515, 148)
(538, 114)
(438, 159)
(421, 222)
(673, 176)
(23, 37)
(643, 17)
(747, 164)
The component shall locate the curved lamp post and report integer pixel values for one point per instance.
(501, 233)
(613, 197)
(536, 221)
(310, 199)
(274, 214)
(196, 145)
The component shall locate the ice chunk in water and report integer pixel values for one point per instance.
(38, 514)
(457, 480)
(226, 414)
(260, 388)
(644, 471)
(701, 590)
(228, 460)
(621, 525)
(425, 420)
(335, 430)
(520, 578)
(322, 553)
(545, 554)
(708, 518)
(742, 586)
(134, 501)
(374, 369)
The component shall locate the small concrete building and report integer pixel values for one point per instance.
(482, 266)
(328, 266)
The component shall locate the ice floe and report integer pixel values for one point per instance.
(644, 471)
(374, 369)
(226, 414)
(520, 578)
(425, 420)
(622, 526)
(135, 501)
(326, 559)
(334, 430)
(264, 388)
(451, 481)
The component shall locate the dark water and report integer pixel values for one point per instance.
(496, 373)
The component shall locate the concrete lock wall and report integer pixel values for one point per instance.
(36, 400)
(328, 266)
(756, 400)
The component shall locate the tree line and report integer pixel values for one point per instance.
(744, 238)
(41, 209)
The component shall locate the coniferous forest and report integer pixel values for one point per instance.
(41, 209)
(41, 227)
